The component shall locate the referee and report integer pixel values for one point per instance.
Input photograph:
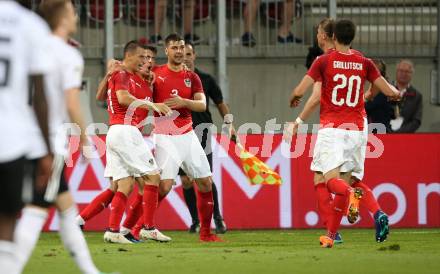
(212, 91)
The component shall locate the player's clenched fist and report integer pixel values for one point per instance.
(295, 100)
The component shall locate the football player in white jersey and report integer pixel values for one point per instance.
(63, 84)
(21, 55)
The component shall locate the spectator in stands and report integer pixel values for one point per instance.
(284, 33)
(188, 7)
(380, 109)
(408, 111)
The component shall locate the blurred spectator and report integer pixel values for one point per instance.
(407, 112)
(379, 109)
(284, 33)
(188, 7)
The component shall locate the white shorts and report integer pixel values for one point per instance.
(185, 151)
(360, 175)
(339, 148)
(128, 154)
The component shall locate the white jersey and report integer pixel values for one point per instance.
(22, 53)
(66, 74)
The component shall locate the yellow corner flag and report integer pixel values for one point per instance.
(257, 171)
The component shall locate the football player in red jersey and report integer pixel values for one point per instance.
(176, 143)
(340, 141)
(324, 198)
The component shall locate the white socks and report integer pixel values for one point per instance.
(74, 241)
(27, 232)
(8, 260)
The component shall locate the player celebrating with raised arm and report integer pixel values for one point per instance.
(340, 139)
(324, 198)
(128, 156)
(176, 143)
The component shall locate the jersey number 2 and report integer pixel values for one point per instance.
(353, 82)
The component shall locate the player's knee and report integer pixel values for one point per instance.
(186, 182)
(125, 186)
(204, 184)
(165, 188)
(113, 186)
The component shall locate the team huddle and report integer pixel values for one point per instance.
(172, 91)
(135, 88)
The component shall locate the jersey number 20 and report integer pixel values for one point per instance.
(353, 82)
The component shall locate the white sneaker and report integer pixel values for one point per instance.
(115, 237)
(153, 234)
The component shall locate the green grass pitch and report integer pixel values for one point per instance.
(260, 251)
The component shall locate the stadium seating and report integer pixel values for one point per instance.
(142, 10)
(96, 10)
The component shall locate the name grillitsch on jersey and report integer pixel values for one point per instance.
(347, 65)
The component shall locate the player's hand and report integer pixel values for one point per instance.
(368, 95)
(176, 102)
(397, 97)
(162, 108)
(290, 130)
(43, 172)
(295, 100)
(113, 65)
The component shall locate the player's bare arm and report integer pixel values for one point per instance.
(44, 167)
(291, 128)
(298, 92)
(386, 88)
(126, 99)
(312, 103)
(197, 104)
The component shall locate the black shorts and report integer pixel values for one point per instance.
(12, 175)
(205, 141)
(57, 184)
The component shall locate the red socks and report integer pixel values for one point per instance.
(205, 207)
(134, 212)
(340, 207)
(117, 210)
(338, 186)
(368, 199)
(325, 202)
(150, 203)
(97, 205)
(137, 228)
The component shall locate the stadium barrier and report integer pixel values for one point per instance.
(405, 177)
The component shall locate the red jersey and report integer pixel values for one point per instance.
(143, 92)
(168, 84)
(124, 80)
(342, 96)
(356, 52)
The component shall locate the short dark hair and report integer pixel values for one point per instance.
(131, 46)
(344, 31)
(150, 47)
(173, 37)
(327, 25)
(189, 43)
